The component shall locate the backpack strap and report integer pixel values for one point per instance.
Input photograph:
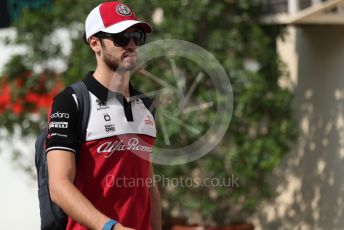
(84, 105)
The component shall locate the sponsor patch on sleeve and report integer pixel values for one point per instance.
(58, 125)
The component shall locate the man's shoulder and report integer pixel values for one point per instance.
(65, 94)
(66, 98)
(148, 102)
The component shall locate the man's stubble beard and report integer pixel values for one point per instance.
(115, 63)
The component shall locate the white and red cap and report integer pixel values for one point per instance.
(112, 17)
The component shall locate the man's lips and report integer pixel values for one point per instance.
(131, 55)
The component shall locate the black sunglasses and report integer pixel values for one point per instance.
(122, 39)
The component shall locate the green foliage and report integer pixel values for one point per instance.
(262, 126)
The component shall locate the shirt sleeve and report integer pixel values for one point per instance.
(62, 124)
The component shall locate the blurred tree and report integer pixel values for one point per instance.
(262, 126)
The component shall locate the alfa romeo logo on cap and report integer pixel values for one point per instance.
(123, 10)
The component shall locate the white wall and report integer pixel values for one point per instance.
(310, 182)
(18, 198)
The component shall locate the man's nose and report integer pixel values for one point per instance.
(131, 44)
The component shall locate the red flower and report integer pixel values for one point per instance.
(35, 98)
(5, 97)
(17, 108)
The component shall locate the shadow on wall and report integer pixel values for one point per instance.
(310, 183)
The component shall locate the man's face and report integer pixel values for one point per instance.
(120, 59)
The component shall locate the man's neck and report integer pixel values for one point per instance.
(114, 81)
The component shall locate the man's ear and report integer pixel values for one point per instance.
(95, 45)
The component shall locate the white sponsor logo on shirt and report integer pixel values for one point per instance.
(59, 115)
(57, 134)
(118, 145)
(58, 125)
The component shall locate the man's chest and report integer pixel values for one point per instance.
(112, 118)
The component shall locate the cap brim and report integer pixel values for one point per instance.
(121, 26)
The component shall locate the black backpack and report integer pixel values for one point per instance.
(52, 216)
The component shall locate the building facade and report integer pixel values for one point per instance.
(310, 182)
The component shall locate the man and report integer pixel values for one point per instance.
(90, 181)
